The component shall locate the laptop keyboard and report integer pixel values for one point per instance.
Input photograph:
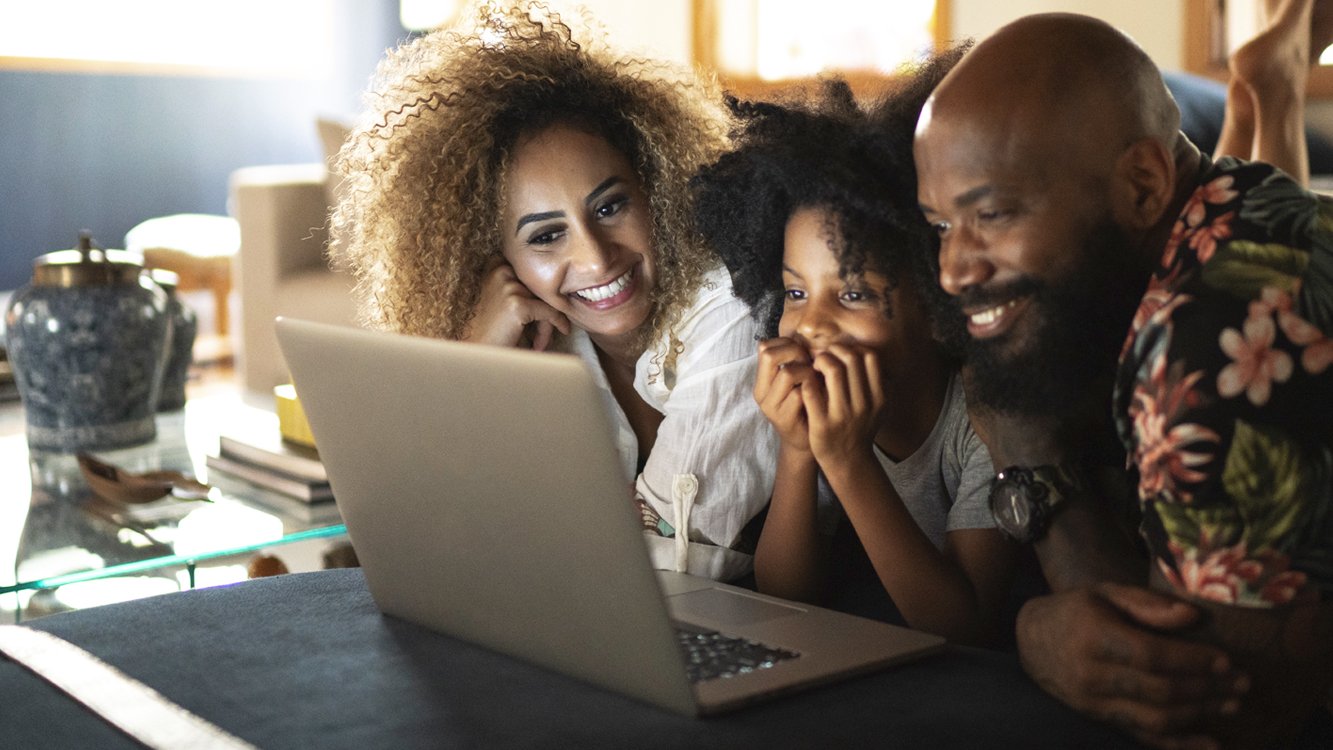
(710, 655)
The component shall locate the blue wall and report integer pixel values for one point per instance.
(104, 152)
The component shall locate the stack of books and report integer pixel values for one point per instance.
(9, 389)
(264, 459)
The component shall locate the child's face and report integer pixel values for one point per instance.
(821, 308)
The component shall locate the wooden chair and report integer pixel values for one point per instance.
(199, 248)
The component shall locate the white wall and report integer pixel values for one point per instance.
(663, 27)
(1158, 26)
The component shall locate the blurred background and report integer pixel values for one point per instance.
(114, 113)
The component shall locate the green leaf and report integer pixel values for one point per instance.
(1281, 207)
(1265, 475)
(1243, 268)
(1324, 218)
(1189, 525)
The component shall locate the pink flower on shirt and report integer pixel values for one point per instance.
(1179, 233)
(1318, 348)
(1255, 364)
(1216, 192)
(1283, 587)
(1217, 576)
(1204, 239)
(1153, 300)
(1317, 356)
(1272, 299)
(1162, 457)
(1233, 574)
(1168, 455)
(1189, 227)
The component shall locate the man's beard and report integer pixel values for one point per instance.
(1071, 340)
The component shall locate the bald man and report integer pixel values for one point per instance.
(1126, 297)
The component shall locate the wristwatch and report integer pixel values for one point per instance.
(1023, 500)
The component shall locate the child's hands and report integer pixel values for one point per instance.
(843, 405)
(509, 315)
(783, 366)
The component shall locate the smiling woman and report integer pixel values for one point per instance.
(516, 185)
(582, 239)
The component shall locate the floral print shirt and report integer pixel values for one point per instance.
(1225, 392)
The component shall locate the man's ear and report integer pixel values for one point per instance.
(1143, 184)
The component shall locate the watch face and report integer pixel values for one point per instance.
(1018, 503)
(1011, 509)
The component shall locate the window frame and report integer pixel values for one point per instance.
(1201, 29)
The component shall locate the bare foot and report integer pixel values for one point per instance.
(1273, 68)
(1277, 60)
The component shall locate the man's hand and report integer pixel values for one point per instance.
(783, 366)
(1110, 652)
(843, 405)
(507, 311)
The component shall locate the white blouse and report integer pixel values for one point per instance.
(712, 465)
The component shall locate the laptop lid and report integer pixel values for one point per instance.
(485, 500)
(473, 481)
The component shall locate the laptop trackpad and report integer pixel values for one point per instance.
(727, 607)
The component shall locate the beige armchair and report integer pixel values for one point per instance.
(281, 268)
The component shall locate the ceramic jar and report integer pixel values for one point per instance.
(184, 328)
(87, 340)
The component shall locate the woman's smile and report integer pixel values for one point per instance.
(608, 295)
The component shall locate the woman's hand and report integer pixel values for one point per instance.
(843, 404)
(783, 366)
(510, 315)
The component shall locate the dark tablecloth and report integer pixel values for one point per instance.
(306, 660)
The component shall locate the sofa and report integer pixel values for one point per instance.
(281, 267)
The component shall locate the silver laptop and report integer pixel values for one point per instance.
(484, 498)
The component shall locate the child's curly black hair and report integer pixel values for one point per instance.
(828, 153)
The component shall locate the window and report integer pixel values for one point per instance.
(757, 45)
(237, 37)
(422, 15)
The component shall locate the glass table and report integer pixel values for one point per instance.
(63, 547)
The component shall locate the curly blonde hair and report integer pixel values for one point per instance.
(419, 218)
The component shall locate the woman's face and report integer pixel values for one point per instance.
(821, 308)
(578, 232)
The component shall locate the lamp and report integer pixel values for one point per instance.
(423, 15)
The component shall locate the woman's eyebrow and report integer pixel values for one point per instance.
(605, 185)
(543, 216)
(602, 188)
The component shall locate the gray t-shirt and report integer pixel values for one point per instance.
(944, 484)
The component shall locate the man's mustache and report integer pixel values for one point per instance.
(991, 295)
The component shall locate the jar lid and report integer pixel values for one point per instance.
(168, 280)
(86, 265)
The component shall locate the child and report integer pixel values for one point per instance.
(815, 215)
